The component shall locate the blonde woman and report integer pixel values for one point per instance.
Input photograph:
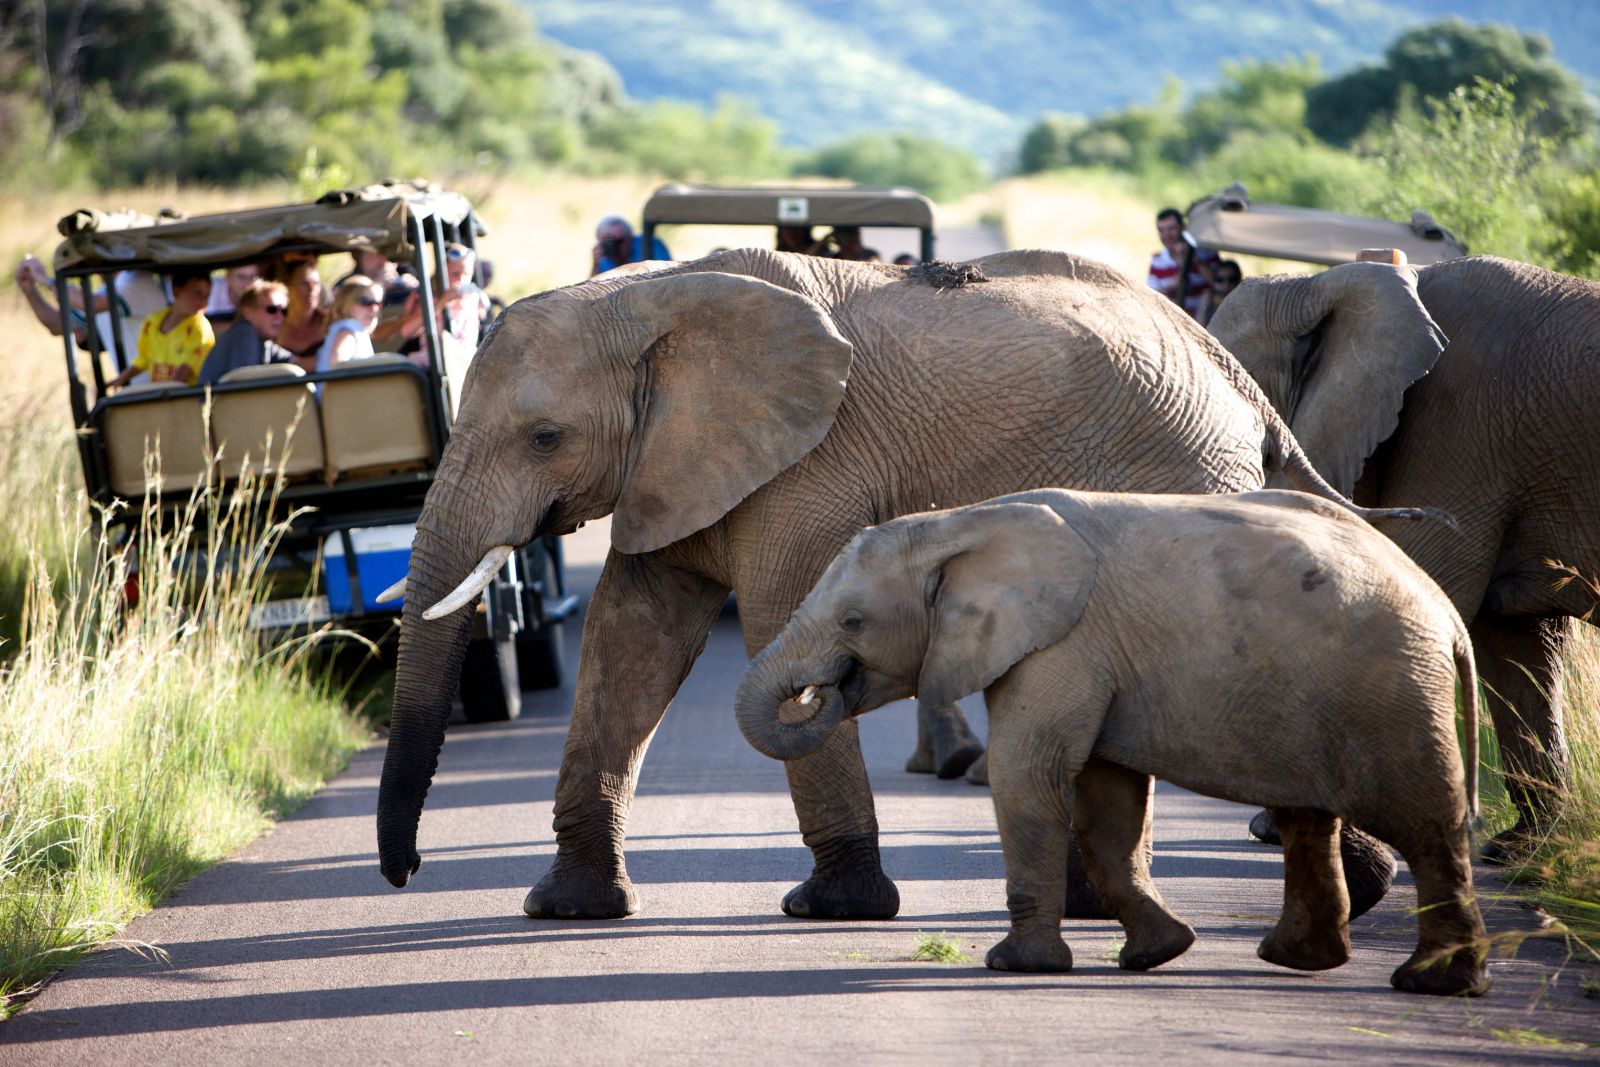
(356, 304)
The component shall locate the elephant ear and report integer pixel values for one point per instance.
(1335, 353)
(1008, 579)
(736, 380)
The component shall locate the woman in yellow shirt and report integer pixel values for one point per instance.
(173, 343)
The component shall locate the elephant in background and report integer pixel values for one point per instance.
(741, 417)
(1261, 647)
(1494, 426)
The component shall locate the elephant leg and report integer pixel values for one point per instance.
(645, 625)
(1452, 944)
(1031, 808)
(833, 801)
(1111, 807)
(1313, 933)
(1519, 660)
(1369, 868)
(978, 773)
(946, 745)
(1082, 901)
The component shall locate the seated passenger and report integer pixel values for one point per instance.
(905, 259)
(355, 313)
(224, 301)
(848, 241)
(465, 307)
(1225, 278)
(616, 244)
(305, 326)
(174, 343)
(797, 239)
(252, 340)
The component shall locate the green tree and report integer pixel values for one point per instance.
(1436, 59)
(1048, 143)
(938, 170)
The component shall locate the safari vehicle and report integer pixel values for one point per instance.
(888, 207)
(1229, 222)
(366, 435)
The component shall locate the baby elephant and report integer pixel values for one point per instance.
(1268, 648)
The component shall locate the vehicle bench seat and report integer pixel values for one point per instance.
(376, 423)
(278, 428)
(172, 426)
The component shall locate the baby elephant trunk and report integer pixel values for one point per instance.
(784, 717)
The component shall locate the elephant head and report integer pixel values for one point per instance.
(664, 399)
(939, 604)
(1335, 353)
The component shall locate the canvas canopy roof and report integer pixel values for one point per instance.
(1229, 222)
(375, 217)
(789, 206)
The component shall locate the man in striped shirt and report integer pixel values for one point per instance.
(1180, 271)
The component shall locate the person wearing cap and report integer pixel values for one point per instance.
(616, 244)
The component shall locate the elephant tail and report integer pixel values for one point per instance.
(1285, 456)
(1467, 673)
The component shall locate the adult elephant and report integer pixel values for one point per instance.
(1495, 428)
(742, 417)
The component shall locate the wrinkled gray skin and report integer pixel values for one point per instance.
(1494, 426)
(706, 408)
(1266, 647)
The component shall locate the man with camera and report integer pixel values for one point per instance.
(616, 244)
(1180, 270)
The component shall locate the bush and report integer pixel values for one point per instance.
(937, 170)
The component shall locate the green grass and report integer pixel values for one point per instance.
(136, 746)
(937, 948)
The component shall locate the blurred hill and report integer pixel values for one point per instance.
(977, 75)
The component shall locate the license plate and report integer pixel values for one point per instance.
(302, 611)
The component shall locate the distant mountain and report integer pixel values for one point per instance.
(979, 74)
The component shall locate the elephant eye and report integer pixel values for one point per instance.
(545, 438)
(851, 624)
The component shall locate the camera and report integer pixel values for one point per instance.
(614, 247)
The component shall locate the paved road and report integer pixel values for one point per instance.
(297, 950)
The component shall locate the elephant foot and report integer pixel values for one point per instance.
(1509, 847)
(1369, 869)
(1263, 829)
(1155, 943)
(568, 891)
(978, 773)
(1042, 953)
(855, 888)
(1320, 949)
(1433, 972)
(946, 745)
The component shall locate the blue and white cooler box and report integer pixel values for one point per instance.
(383, 556)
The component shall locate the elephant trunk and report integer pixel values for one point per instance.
(426, 678)
(770, 709)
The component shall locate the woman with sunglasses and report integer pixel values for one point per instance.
(356, 303)
(253, 338)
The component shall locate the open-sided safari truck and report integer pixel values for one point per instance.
(355, 446)
(1229, 222)
(888, 207)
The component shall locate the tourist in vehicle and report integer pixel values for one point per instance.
(225, 296)
(464, 305)
(847, 241)
(174, 343)
(905, 259)
(797, 239)
(252, 339)
(355, 314)
(1225, 278)
(616, 244)
(305, 327)
(1180, 271)
(139, 293)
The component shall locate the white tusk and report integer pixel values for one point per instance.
(473, 584)
(394, 592)
(807, 695)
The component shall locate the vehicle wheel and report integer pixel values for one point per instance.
(491, 690)
(541, 657)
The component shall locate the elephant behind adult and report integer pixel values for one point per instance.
(706, 408)
(1495, 428)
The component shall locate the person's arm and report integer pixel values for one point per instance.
(342, 347)
(48, 314)
(594, 261)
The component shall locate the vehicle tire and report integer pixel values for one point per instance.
(491, 690)
(541, 657)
